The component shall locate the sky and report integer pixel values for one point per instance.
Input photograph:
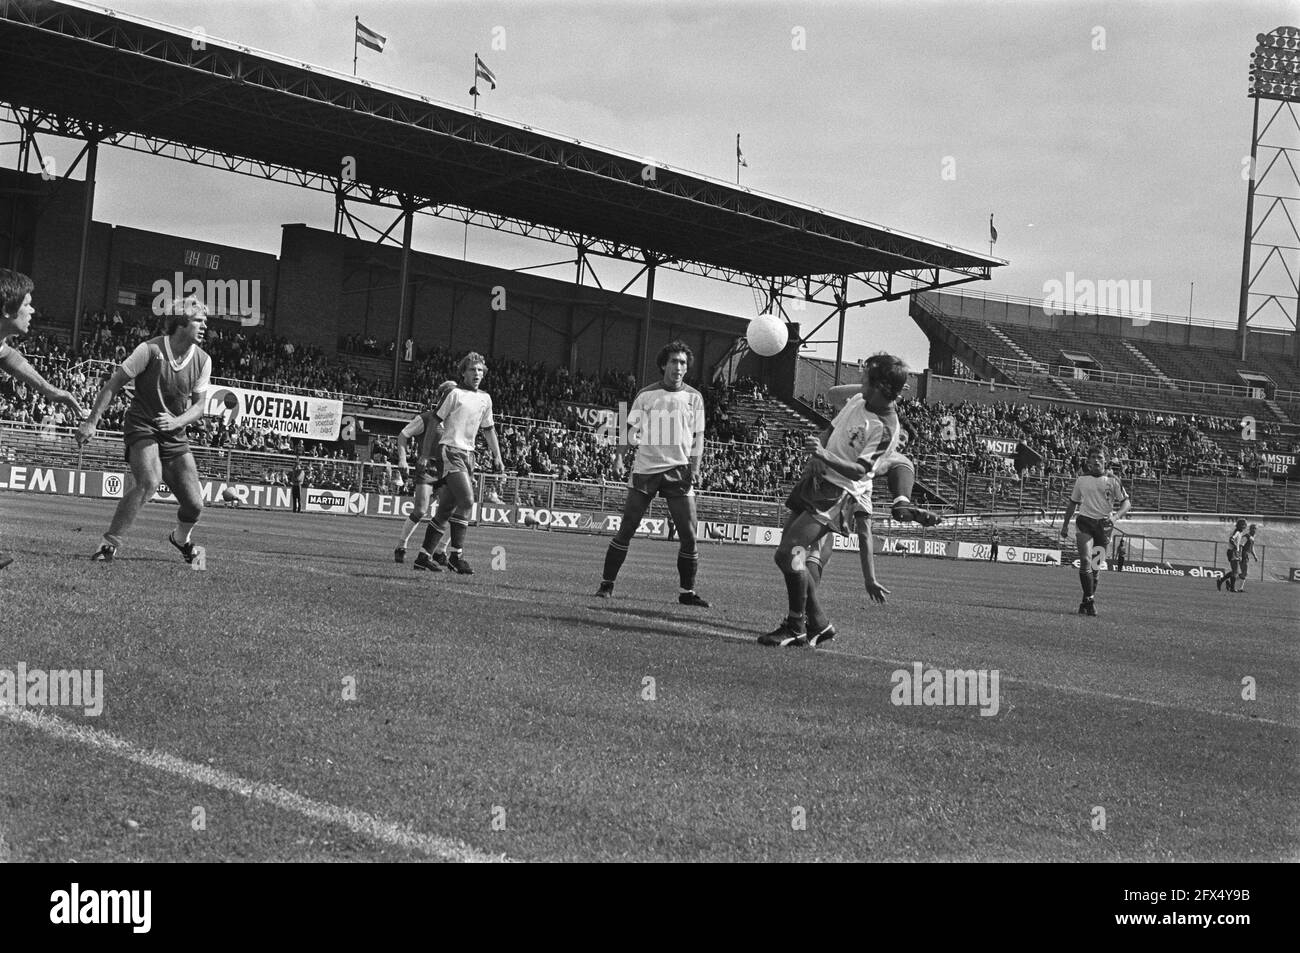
(1108, 138)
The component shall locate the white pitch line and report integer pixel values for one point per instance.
(376, 828)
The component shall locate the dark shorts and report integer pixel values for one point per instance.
(428, 472)
(669, 484)
(1093, 528)
(827, 503)
(171, 446)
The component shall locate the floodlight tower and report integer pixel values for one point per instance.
(1274, 76)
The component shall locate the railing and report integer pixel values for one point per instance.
(1085, 374)
(965, 491)
(1049, 306)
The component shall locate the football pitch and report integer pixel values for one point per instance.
(306, 699)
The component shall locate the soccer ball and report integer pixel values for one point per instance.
(766, 335)
(229, 495)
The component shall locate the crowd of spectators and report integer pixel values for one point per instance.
(748, 452)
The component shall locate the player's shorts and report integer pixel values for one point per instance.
(454, 460)
(428, 472)
(171, 445)
(827, 503)
(1094, 528)
(670, 484)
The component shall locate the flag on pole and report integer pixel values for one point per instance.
(482, 72)
(369, 38)
(993, 232)
(740, 156)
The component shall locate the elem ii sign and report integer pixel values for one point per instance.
(294, 415)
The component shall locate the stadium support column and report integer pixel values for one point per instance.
(1242, 318)
(403, 298)
(645, 323)
(88, 210)
(841, 304)
(571, 339)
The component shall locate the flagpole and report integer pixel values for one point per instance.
(356, 28)
(473, 88)
(737, 158)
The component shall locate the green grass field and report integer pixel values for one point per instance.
(510, 713)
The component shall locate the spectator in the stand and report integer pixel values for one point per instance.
(297, 478)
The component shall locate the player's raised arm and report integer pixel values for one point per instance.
(116, 381)
(17, 366)
(838, 396)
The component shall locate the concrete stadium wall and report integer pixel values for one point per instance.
(331, 286)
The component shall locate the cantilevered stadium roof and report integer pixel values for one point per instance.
(89, 72)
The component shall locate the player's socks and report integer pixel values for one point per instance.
(1085, 581)
(459, 527)
(432, 536)
(411, 524)
(182, 533)
(687, 565)
(812, 606)
(614, 557)
(114, 541)
(796, 590)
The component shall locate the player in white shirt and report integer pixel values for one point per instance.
(15, 319)
(1100, 499)
(463, 413)
(1236, 569)
(900, 473)
(666, 424)
(835, 494)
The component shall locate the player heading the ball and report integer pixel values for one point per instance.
(172, 375)
(666, 425)
(834, 495)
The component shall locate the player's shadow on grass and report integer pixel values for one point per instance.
(680, 619)
(580, 624)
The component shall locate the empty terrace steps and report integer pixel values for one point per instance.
(1016, 349)
(1278, 412)
(1063, 387)
(1148, 363)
